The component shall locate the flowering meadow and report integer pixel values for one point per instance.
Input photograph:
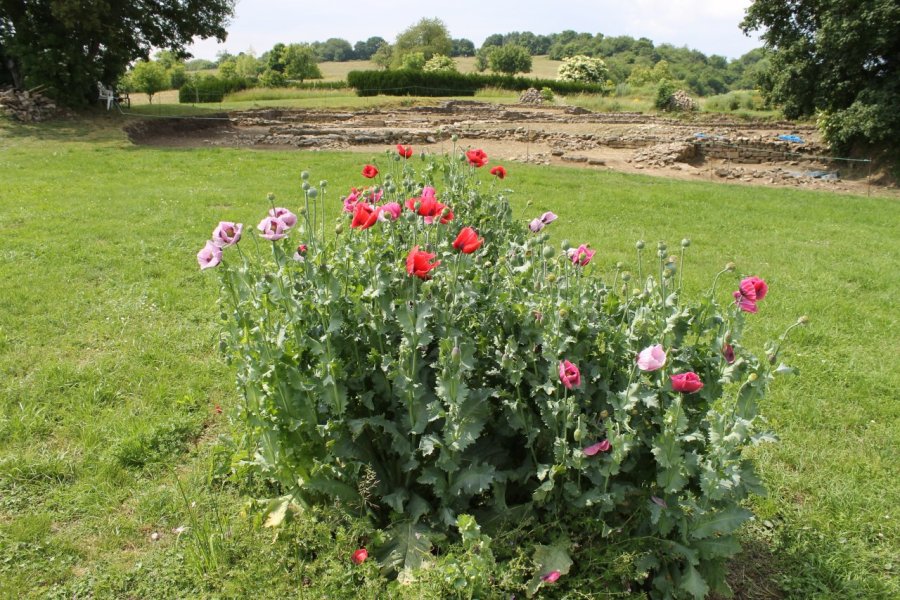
(432, 362)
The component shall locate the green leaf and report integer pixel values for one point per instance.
(693, 583)
(406, 545)
(473, 479)
(717, 547)
(667, 450)
(546, 560)
(396, 499)
(724, 521)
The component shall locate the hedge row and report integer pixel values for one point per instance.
(209, 88)
(406, 82)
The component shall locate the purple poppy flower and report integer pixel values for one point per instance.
(209, 256)
(272, 228)
(227, 234)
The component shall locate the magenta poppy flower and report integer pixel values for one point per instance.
(582, 255)
(351, 200)
(728, 353)
(390, 212)
(209, 256)
(745, 303)
(551, 576)
(272, 228)
(569, 375)
(687, 383)
(651, 358)
(751, 291)
(601, 446)
(287, 217)
(227, 233)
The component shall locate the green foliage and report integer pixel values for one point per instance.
(333, 49)
(272, 79)
(300, 62)
(208, 88)
(149, 78)
(419, 401)
(414, 61)
(69, 46)
(247, 66)
(405, 82)
(428, 36)
(664, 91)
(439, 62)
(509, 60)
(547, 94)
(199, 64)
(583, 69)
(363, 50)
(836, 58)
(383, 56)
(735, 101)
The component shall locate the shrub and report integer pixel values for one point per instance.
(149, 78)
(414, 61)
(272, 79)
(583, 69)
(444, 368)
(509, 59)
(664, 91)
(439, 62)
(205, 88)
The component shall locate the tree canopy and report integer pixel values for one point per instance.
(69, 45)
(839, 58)
(428, 36)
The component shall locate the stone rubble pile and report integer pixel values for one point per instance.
(681, 102)
(27, 106)
(531, 96)
(664, 155)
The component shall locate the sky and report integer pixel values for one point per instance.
(710, 26)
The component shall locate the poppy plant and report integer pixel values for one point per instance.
(582, 255)
(467, 241)
(404, 151)
(551, 576)
(569, 375)
(417, 263)
(370, 171)
(687, 383)
(364, 216)
(477, 158)
(499, 172)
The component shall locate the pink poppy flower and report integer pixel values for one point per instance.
(751, 291)
(272, 228)
(548, 217)
(582, 255)
(536, 225)
(651, 358)
(209, 256)
(227, 233)
(390, 212)
(550, 577)
(728, 353)
(602, 446)
(569, 375)
(300, 254)
(287, 217)
(360, 556)
(745, 303)
(351, 200)
(687, 383)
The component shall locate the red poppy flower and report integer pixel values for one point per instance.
(364, 216)
(429, 207)
(360, 556)
(404, 151)
(728, 353)
(417, 263)
(468, 241)
(477, 158)
(687, 383)
(499, 172)
(369, 171)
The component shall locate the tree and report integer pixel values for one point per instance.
(428, 36)
(70, 45)
(247, 66)
(583, 69)
(463, 47)
(384, 56)
(300, 62)
(333, 49)
(838, 58)
(149, 77)
(510, 59)
(365, 50)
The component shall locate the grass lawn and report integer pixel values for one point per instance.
(109, 374)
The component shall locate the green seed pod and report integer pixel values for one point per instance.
(563, 313)
(548, 251)
(270, 196)
(661, 246)
(304, 175)
(304, 186)
(626, 276)
(339, 228)
(639, 245)
(565, 245)
(752, 377)
(685, 243)
(604, 414)
(551, 278)
(803, 320)
(312, 192)
(323, 184)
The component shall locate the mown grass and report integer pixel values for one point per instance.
(109, 372)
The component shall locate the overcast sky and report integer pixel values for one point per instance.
(710, 26)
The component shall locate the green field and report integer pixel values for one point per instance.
(111, 376)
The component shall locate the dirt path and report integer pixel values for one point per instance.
(707, 147)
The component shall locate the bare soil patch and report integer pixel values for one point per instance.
(710, 147)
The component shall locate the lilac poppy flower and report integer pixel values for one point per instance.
(272, 228)
(536, 225)
(287, 217)
(209, 256)
(550, 577)
(548, 217)
(651, 358)
(227, 234)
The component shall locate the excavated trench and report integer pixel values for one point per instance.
(713, 147)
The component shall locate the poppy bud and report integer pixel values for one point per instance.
(685, 243)
(455, 355)
(302, 210)
(454, 137)
(639, 245)
(548, 252)
(565, 245)
(304, 175)
(339, 228)
(604, 414)
(626, 276)
(619, 265)
(772, 358)
(661, 246)
(563, 312)
(730, 267)
(803, 320)
(270, 196)
(323, 183)
(551, 277)
(753, 377)
(578, 435)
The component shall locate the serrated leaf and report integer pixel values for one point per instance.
(406, 545)
(667, 450)
(473, 480)
(546, 560)
(725, 521)
(396, 499)
(693, 583)
(717, 547)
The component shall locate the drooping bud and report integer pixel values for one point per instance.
(270, 196)
(685, 243)
(730, 267)
(804, 320)
(339, 228)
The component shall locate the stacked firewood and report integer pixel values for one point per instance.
(26, 105)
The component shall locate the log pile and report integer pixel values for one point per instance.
(27, 105)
